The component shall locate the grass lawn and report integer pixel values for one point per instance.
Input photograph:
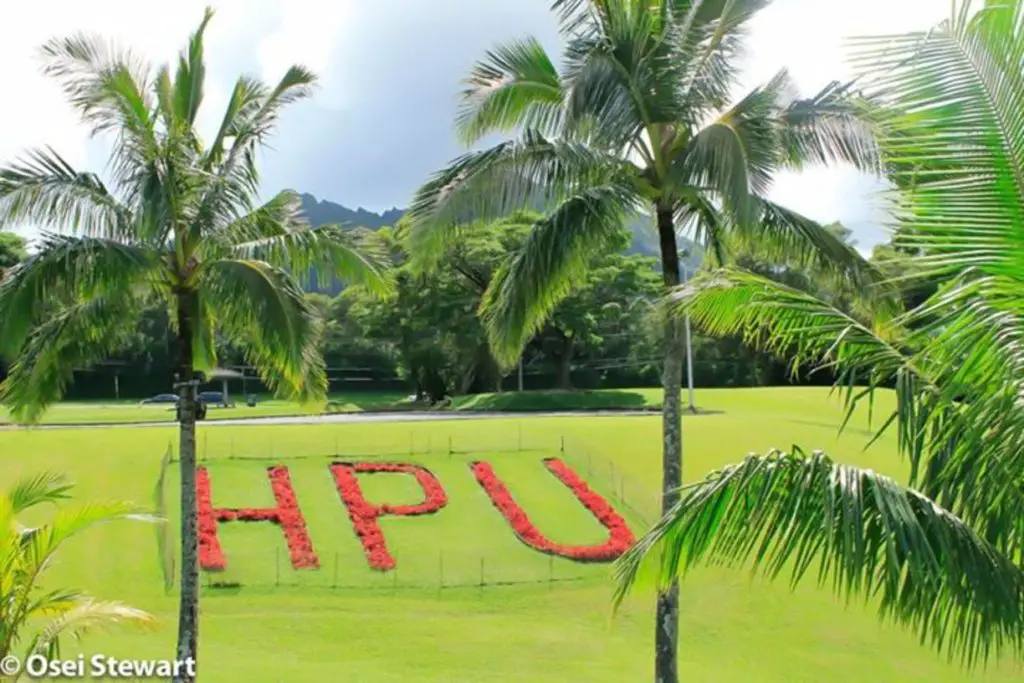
(282, 624)
(126, 412)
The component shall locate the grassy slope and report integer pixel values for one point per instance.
(732, 630)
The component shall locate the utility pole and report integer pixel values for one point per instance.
(689, 346)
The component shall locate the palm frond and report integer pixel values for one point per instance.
(955, 135)
(515, 86)
(44, 190)
(246, 98)
(531, 172)
(255, 125)
(47, 487)
(264, 309)
(249, 121)
(279, 234)
(705, 223)
(963, 438)
(72, 337)
(551, 261)
(111, 90)
(834, 126)
(773, 317)
(873, 537)
(107, 85)
(44, 542)
(955, 365)
(85, 616)
(68, 269)
(784, 236)
(735, 155)
(191, 76)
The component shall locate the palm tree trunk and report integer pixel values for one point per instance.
(666, 633)
(188, 609)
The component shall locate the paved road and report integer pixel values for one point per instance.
(352, 418)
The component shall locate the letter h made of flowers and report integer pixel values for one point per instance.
(286, 515)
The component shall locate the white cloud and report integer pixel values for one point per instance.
(811, 39)
(268, 35)
(309, 33)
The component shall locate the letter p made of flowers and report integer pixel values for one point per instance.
(365, 515)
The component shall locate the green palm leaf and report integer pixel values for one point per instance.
(64, 269)
(786, 512)
(263, 307)
(71, 338)
(515, 85)
(44, 190)
(532, 283)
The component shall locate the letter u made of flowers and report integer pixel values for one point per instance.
(620, 538)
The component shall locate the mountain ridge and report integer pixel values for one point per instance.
(324, 212)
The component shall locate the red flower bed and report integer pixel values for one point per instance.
(365, 515)
(620, 537)
(286, 515)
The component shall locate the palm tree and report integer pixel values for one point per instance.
(178, 226)
(25, 555)
(946, 553)
(638, 120)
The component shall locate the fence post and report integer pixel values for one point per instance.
(440, 570)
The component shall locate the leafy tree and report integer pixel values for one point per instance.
(25, 555)
(946, 553)
(177, 226)
(12, 251)
(638, 119)
(610, 304)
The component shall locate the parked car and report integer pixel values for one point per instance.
(215, 398)
(160, 398)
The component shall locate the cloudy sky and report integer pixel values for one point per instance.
(390, 71)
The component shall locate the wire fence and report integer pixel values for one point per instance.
(446, 555)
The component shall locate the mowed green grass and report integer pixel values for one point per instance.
(377, 629)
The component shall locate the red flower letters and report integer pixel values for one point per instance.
(365, 515)
(286, 515)
(620, 537)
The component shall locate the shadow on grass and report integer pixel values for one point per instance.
(554, 401)
(835, 426)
